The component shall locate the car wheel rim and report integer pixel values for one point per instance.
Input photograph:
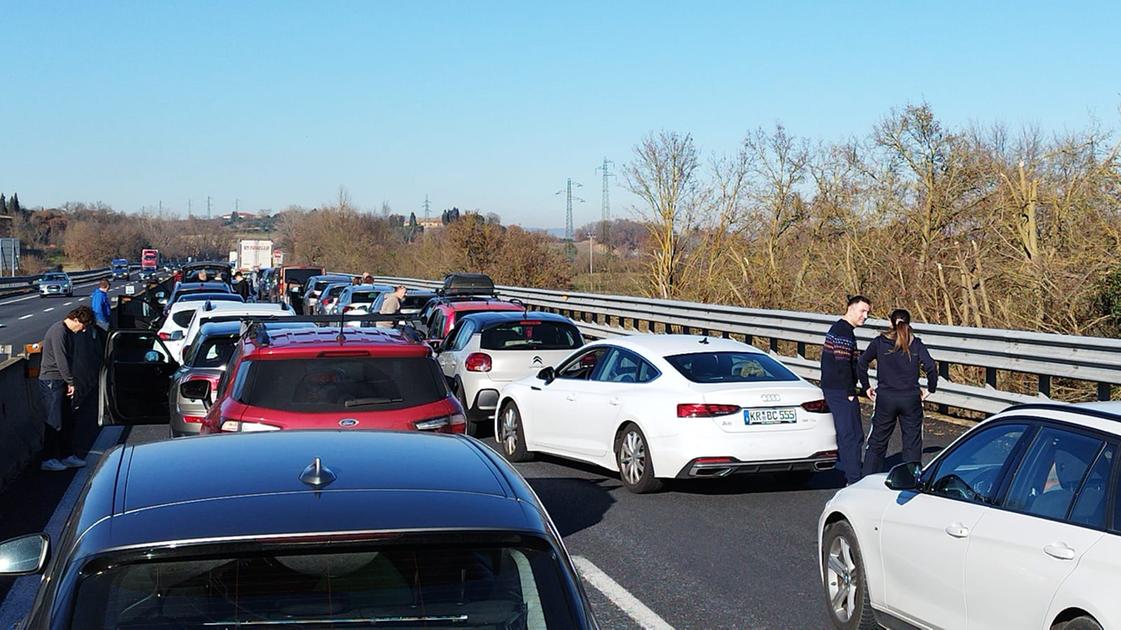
(841, 579)
(632, 457)
(510, 431)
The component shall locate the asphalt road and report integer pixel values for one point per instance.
(25, 318)
(732, 553)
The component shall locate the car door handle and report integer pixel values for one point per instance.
(1062, 551)
(614, 402)
(570, 397)
(957, 530)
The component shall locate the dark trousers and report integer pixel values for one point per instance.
(850, 432)
(891, 407)
(58, 432)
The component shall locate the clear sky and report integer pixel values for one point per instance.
(492, 105)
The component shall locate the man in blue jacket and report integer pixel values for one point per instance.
(839, 384)
(100, 304)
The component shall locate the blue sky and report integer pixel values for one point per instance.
(492, 105)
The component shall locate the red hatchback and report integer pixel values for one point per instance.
(319, 378)
(440, 316)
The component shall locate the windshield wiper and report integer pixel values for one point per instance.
(364, 402)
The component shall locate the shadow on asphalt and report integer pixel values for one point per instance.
(759, 483)
(575, 504)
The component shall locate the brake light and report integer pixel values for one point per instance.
(701, 410)
(455, 423)
(478, 362)
(816, 406)
(194, 419)
(230, 425)
(164, 336)
(713, 460)
(348, 308)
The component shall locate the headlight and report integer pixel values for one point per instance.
(234, 426)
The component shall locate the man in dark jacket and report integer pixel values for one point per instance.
(240, 286)
(839, 381)
(56, 385)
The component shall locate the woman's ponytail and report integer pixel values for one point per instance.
(901, 330)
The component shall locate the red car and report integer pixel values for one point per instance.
(321, 378)
(440, 316)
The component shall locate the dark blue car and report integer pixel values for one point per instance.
(346, 529)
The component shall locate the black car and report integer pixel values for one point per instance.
(186, 288)
(319, 529)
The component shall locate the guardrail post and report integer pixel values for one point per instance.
(802, 349)
(1103, 391)
(1045, 385)
(990, 377)
(944, 375)
(774, 345)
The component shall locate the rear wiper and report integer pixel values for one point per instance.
(363, 402)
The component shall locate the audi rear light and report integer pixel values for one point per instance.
(705, 410)
(164, 336)
(478, 362)
(816, 406)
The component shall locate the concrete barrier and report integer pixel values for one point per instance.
(21, 424)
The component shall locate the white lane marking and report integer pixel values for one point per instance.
(48, 310)
(619, 596)
(36, 294)
(67, 303)
(28, 315)
(81, 299)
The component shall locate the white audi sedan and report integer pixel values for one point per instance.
(654, 407)
(1017, 524)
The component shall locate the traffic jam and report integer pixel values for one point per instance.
(301, 404)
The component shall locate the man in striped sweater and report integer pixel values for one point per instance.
(840, 384)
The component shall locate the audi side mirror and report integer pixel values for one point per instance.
(547, 374)
(26, 555)
(906, 476)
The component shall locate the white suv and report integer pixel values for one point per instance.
(1017, 524)
(487, 350)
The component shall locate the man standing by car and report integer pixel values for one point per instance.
(100, 304)
(56, 385)
(391, 305)
(241, 287)
(839, 381)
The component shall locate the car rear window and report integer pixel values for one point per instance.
(364, 297)
(730, 367)
(459, 585)
(329, 384)
(531, 335)
(183, 318)
(300, 276)
(220, 297)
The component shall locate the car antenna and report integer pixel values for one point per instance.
(704, 340)
(341, 337)
(317, 475)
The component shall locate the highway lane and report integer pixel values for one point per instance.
(25, 318)
(732, 553)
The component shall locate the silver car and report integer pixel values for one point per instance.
(55, 283)
(487, 350)
(205, 359)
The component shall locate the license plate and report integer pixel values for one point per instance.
(770, 416)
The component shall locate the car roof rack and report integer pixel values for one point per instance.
(252, 325)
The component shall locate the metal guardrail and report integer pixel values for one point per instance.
(1091, 359)
(17, 283)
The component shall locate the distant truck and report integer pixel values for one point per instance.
(254, 253)
(119, 268)
(149, 263)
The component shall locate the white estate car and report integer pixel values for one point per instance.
(1017, 524)
(487, 350)
(669, 406)
(227, 311)
(179, 316)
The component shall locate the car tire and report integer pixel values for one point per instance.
(632, 454)
(844, 585)
(510, 435)
(474, 427)
(1080, 623)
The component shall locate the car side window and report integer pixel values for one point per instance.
(580, 367)
(1090, 505)
(225, 379)
(622, 366)
(973, 469)
(463, 334)
(1052, 472)
(436, 325)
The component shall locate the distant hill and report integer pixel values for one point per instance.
(554, 232)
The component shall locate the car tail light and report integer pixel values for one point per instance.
(348, 308)
(816, 406)
(701, 410)
(194, 419)
(478, 362)
(713, 460)
(455, 423)
(164, 336)
(247, 427)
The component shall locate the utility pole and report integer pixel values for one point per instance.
(208, 207)
(606, 168)
(188, 208)
(569, 233)
(237, 206)
(427, 207)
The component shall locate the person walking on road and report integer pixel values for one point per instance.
(391, 305)
(839, 381)
(898, 355)
(56, 386)
(100, 304)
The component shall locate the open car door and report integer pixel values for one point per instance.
(135, 378)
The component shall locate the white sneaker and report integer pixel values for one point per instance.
(74, 462)
(52, 465)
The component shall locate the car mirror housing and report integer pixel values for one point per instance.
(26, 555)
(547, 375)
(906, 476)
(195, 390)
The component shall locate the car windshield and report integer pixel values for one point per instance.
(332, 384)
(730, 367)
(531, 335)
(460, 585)
(54, 276)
